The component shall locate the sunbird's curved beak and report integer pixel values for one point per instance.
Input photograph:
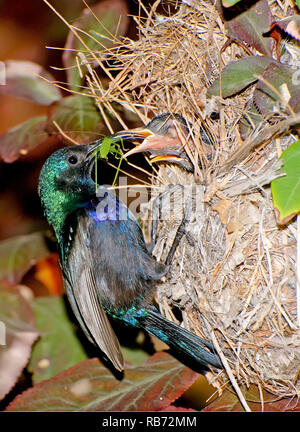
(93, 151)
(151, 142)
(91, 156)
(133, 134)
(138, 134)
(122, 135)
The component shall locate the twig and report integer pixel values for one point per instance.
(254, 180)
(96, 59)
(64, 134)
(179, 233)
(259, 137)
(229, 372)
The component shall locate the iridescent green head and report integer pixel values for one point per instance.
(65, 183)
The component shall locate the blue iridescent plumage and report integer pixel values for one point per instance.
(106, 265)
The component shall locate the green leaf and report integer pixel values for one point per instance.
(298, 4)
(78, 117)
(23, 138)
(104, 22)
(19, 254)
(17, 334)
(237, 75)
(278, 89)
(89, 386)
(58, 347)
(286, 190)
(229, 3)
(22, 81)
(135, 356)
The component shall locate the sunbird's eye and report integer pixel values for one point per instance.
(73, 160)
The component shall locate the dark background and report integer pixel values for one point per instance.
(26, 30)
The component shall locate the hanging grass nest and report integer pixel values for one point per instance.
(234, 276)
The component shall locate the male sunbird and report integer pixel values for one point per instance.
(107, 269)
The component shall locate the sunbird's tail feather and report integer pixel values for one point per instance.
(181, 340)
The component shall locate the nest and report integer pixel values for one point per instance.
(233, 278)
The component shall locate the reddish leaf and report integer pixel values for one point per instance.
(104, 22)
(227, 402)
(22, 138)
(22, 80)
(248, 27)
(230, 402)
(17, 336)
(286, 404)
(89, 386)
(19, 254)
(173, 408)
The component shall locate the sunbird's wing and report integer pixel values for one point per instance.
(81, 288)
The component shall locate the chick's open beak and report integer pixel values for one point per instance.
(144, 134)
(122, 135)
(166, 158)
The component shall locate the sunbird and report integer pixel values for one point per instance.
(106, 266)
